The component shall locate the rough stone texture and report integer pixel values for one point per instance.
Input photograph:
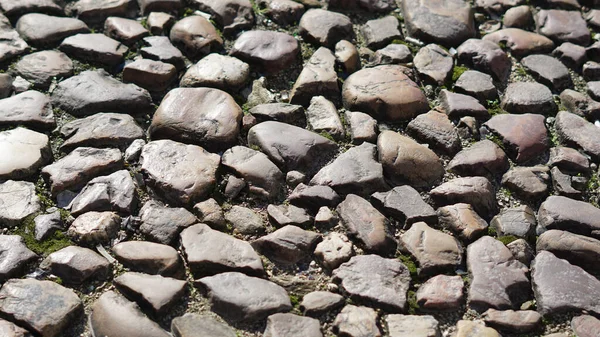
(466, 328)
(94, 11)
(334, 250)
(459, 105)
(571, 55)
(190, 325)
(163, 224)
(24, 152)
(405, 204)
(195, 36)
(485, 56)
(150, 258)
(30, 108)
(41, 67)
(317, 303)
(18, 200)
(462, 219)
(93, 228)
(434, 63)
(579, 104)
(525, 136)
(217, 71)
(15, 9)
(245, 221)
(577, 249)
(513, 321)
(187, 177)
(149, 74)
(441, 293)
(283, 215)
(516, 221)
(322, 117)
(577, 132)
(521, 42)
(477, 191)
(326, 28)
(153, 293)
(101, 130)
(96, 48)
(15, 256)
(9, 329)
(263, 177)
(292, 325)
(563, 213)
(161, 49)
(548, 71)
(313, 197)
(357, 322)
(375, 281)
(231, 15)
(563, 26)
(318, 78)
(483, 158)
(412, 325)
(279, 112)
(528, 182)
(287, 245)
(528, 97)
(75, 265)
(269, 51)
(437, 130)
(380, 32)
(434, 250)
(585, 325)
(43, 30)
(12, 45)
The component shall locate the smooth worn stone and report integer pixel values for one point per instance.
(563, 26)
(217, 71)
(497, 280)
(180, 173)
(237, 297)
(234, 187)
(160, 23)
(18, 200)
(279, 325)
(483, 158)
(563, 213)
(93, 228)
(12, 44)
(459, 105)
(154, 293)
(231, 15)
(347, 55)
(148, 6)
(9, 329)
(375, 281)
(517, 221)
(270, 51)
(325, 218)
(434, 250)
(125, 30)
(40, 68)
(317, 303)
(448, 23)
(354, 171)
(318, 78)
(283, 215)
(97, 48)
(41, 30)
(75, 265)
(46, 225)
(568, 159)
(284, 12)
(195, 36)
(392, 54)
(356, 322)
(477, 191)
(262, 176)
(161, 49)
(485, 56)
(101, 130)
(24, 152)
(528, 182)
(559, 286)
(524, 136)
(384, 92)
(437, 130)
(406, 161)
(210, 213)
(441, 293)
(95, 12)
(462, 219)
(14, 9)
(549, 71)
(313, 197)
(575, 131)
(210, 252)
(202, 116)
(334, 250)
(80, 166)
(326, 28)
(585, 325)
(521, 42)
(95, 91)
(466, 328)
(564, 184)
(190, 325)
(322, 116)
(362, 128)
(579, 104)
(366, 225)
(412, 325)
(44, 307)
(30, 108)
(115, 192)
(571, 55)
(291, 147)
(434, 63)
(245, 221)
(380, 32)
(579, 250)
(113, 315)
(15, 256)
(405, 204)
(163, 224)
(150, 258)
(476, 84)
(20, 85)
(522, 251)
(279, 112)
(287, 245)
(528, 97)
(518, 17)
(149, 74)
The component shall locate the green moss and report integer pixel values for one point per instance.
(507, 239)
(410, 264)
(295, 300)
(144, 22)
(55, 242)
(326, 135)
(457, 71)
(494, 138)
(255, 147)
(58, 280)
(521, 71)
(257, 8)
(188, 11)
(411, 299)
(492, 231)
(494, 107)
(593, 183)
(502, 45)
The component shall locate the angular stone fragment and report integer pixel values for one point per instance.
(563, 26)
(284, 12)
(322, 116)
(9, 329)
(334, 250)
(15, 257)
(516, 221)
(483, 158)
(43, 30)
(75, 265)
(441, 293)
(99, 130)
(412, 325)
(47, 224)
(324, 27)
(528, 97)
(94, 11)
(163, 224)
(476, 84)
(577, 132)
(525, 136)
(232, 15)
(392, 54)
(434, 250)
(44, 307)
(97, 48)
(527, 182)
(292, 325)
(521, 42)
(12, 44)
(23, 153)
(195, 36)
(448, 23)
(565, 184)
(125, 30)
(149, 74)
(434, 63)
(522, 251)
(384, 92)
(30, 108)
(18, 200)
(559, 286)
(245, 221)
(356, 322)
(150, 258)
(579, 104)
(264, 177)
(113, 315)
(217, 71)
(190, 325)
(269, 51)
(95, 91)
(577, 249)
(287, 245)
(317, 303)
(280, 112)
(380, 32)
(375, 281)
(486, 57)
(115, 192)
(161, 49)
(318, 78)
(314, 197)
(405, 204)
(363, 128)
(238, 297)
(187, 177)
(203, 116)
(437, 130)
(498, 280)
(283, 215)
(459, 105)
(93, 228)
(549, 71)
(477, 191)
(14, 9)
(563, 213)
(571, 55)
(466, 328)
(463, 220)
(154, 293)
(41, 67)
(160, 23)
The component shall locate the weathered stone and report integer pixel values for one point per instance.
(41, 67)
(95, 91)
(113, 315)
(75, 265)
(187, 177)
(463, 220)
(161, 49)
(476, 84)
(12, 44)
(195, 36)
(149, 74)
(125, 30)
(522, 251)
(434, 250)
(441, 293)
(18, 200)
(154, 293)
(549, 71)
(380, 32)
(521, 42)
(231, 15)
(591, 71)
(283, 215)
(498, 280)
(94, 11)
(577, 249)
(217, 71)
(93, 228)
(287, 245)
(563, 26)
(368, 5)
(412, 325)
(160, 23)
(384, 92)
(486, 57)
(264, 177)
(115, 192)
(30, 108)
(163, 224)
(577, 132)
(317, 303)
(375, 281)
(477, 191)
(15, 257)
(516, 221)
(190, 325)
(437, 130)
(14, 9)
(565, 184)
(518, 17)
(579, 104)
(148, 6)
(9, 329)
(97, 48)
(150, 258)
(269, 51)
(356, 322)
(46, 225)
(313, 197)
(405, 204)
(318, 78)
(43, 30)
(434, 63)
(324, 27)
(392, 54)
(101, 130)
(284, 12)
(466, 328)
(571, 55)
(528, 97)
(363, 128)
(245, 221)
(292, 325)
(238, 297)
(44, 307)
(280, 112)
(483, 158)
(527, 182)
(334, 250)
(24, 152)
(525, 136)
(585, 325)
(322, 116)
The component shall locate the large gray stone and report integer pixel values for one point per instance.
(75, 265)
(18, 200)
(101, 130)
(162, 223)
(577, 132)
(15, 256)
(154, 293)
(434, 250)
(563, 213)
(23, 153)
(477, 191)
(115, 192)
(190, 325)
(30, 108)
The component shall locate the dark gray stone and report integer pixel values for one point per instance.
(150, 258)
(76, 265)
(287, 245)
(405, 204)
(153, 293)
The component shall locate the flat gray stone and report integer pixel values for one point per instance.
(575, 131)
(405, 204)
(269, 51)
(563, 213)
(190, 325)
(15, 257)
(579, 250)
(549, 71)
(287, 245)
(515, 221)
(317, 303)
(437, 130)
(115, 192)
(334, 250)
(195, 36)
(441, 293)
(94, 228)
(18, 200)
(412, 325)
(380, 32)
(75, 265)
(322, 116)
(356, 322)
(163, 224)
(101, 130)
(434, 250)
(40, 68)
(338, 27)
(245, 221)
(217, 71)
(434, 63)
(521, 321)
(292, 325)
(154, 293)
(477, 191)
(318, 78)
(43, 30)
(24, 152)
(30, 108)
(462, 219)
(150, 258)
